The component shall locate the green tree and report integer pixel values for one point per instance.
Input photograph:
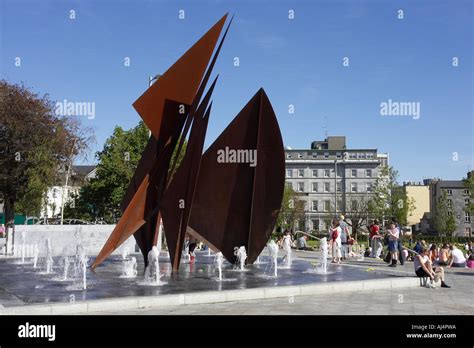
(100, 198)
(389, 199)
(359, 208)
(292, 208)
(443, 219)
(34, 143)
(469, 185)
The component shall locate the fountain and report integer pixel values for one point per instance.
(82, 268)
(130, 268)
(49, 257)
(219, 260)
(152, 271)
(66, 262)
(273, 250)
(23, 237)
(35, 255)
(323, 256)
(125, 253)
(241, 254)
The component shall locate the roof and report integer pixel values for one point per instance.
(83, 170)
(450, 183)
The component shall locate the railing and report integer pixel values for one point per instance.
(307, 234)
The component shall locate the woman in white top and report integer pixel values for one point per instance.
(287, 248)
(457, 257)
(335, 235)
(424, 268)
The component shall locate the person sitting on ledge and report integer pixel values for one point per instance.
(457, 257)
(424, 268)
(470, 261)
(302, 245)
(443, 255)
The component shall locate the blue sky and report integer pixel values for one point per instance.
(296, 61)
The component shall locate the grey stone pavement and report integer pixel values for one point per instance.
(402, 301)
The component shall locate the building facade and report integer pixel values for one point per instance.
(420, 194)
(457, 200)
(56, 195)
(330, 178)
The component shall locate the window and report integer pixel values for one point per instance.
(449, 192)
(354, 173)
(338, 155)
(315, 155)
(288, 155)
(315, 173)
(466, 192)
(327, 223)
(467, 217)
(353, 205)
(369, 187)
(339, 186)
(352, 155)
(327, 205)
(326, 187)
(466, 202)
(326, 173)
(301, 187)
(368, 173)
(326, 155)
(315, 223)
(353, 187)
(301, 173)
(449, 203)
(467, 232)
(315, 206)
(315, 187)
(289, 173)
(300, 155)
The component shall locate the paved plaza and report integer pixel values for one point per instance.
(401, 301)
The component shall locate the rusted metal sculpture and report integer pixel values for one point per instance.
(223, 202)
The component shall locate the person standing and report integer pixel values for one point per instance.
(393, 236)
(192, 245)
(287, 248)
(399, 241)
(344, 237)
(335, 232)
(375, 239)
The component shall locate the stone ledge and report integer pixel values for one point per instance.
(126, 303)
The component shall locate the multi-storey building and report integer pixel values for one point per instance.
(330, 178)
(457, 200)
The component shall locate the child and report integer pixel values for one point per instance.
(335, 233)
(367, 252)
